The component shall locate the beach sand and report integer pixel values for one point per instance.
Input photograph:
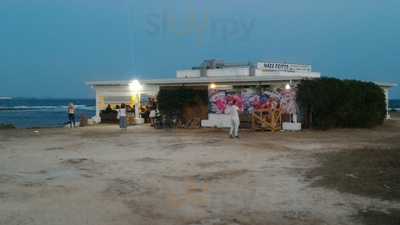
(100, 176)
(395, 115)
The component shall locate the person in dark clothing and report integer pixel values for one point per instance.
(109, 109)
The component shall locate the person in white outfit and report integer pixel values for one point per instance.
(122, 117)
(233, 111)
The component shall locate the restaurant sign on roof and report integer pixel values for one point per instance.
(283, 67)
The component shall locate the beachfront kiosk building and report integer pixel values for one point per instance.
(252, 85)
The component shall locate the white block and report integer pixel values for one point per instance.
(217, 120)
(291, 126)
(139, 120)
(207, 123)
(91, 122)
(96, 119)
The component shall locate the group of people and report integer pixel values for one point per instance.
(122, 114)
(149, 114)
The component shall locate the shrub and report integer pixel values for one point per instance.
(330, 102)
(172, 100)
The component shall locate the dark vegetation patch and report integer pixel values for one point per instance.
(333, 103)
(172, 100)
(372, 217)
(367, 172)
(7, 126)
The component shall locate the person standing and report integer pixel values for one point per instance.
(122, 117)
(71, 114)
(152, 114)
(233, 111)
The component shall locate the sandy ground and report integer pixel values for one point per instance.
(100, 176)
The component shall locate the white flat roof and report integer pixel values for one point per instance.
(226, 79)
(202, 80)
(385, 84)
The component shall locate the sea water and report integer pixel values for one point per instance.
(36, 113)
(394, 105)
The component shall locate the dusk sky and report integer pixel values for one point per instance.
(49, 48)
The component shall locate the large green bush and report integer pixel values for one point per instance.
(172, 100)
(329, 102)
